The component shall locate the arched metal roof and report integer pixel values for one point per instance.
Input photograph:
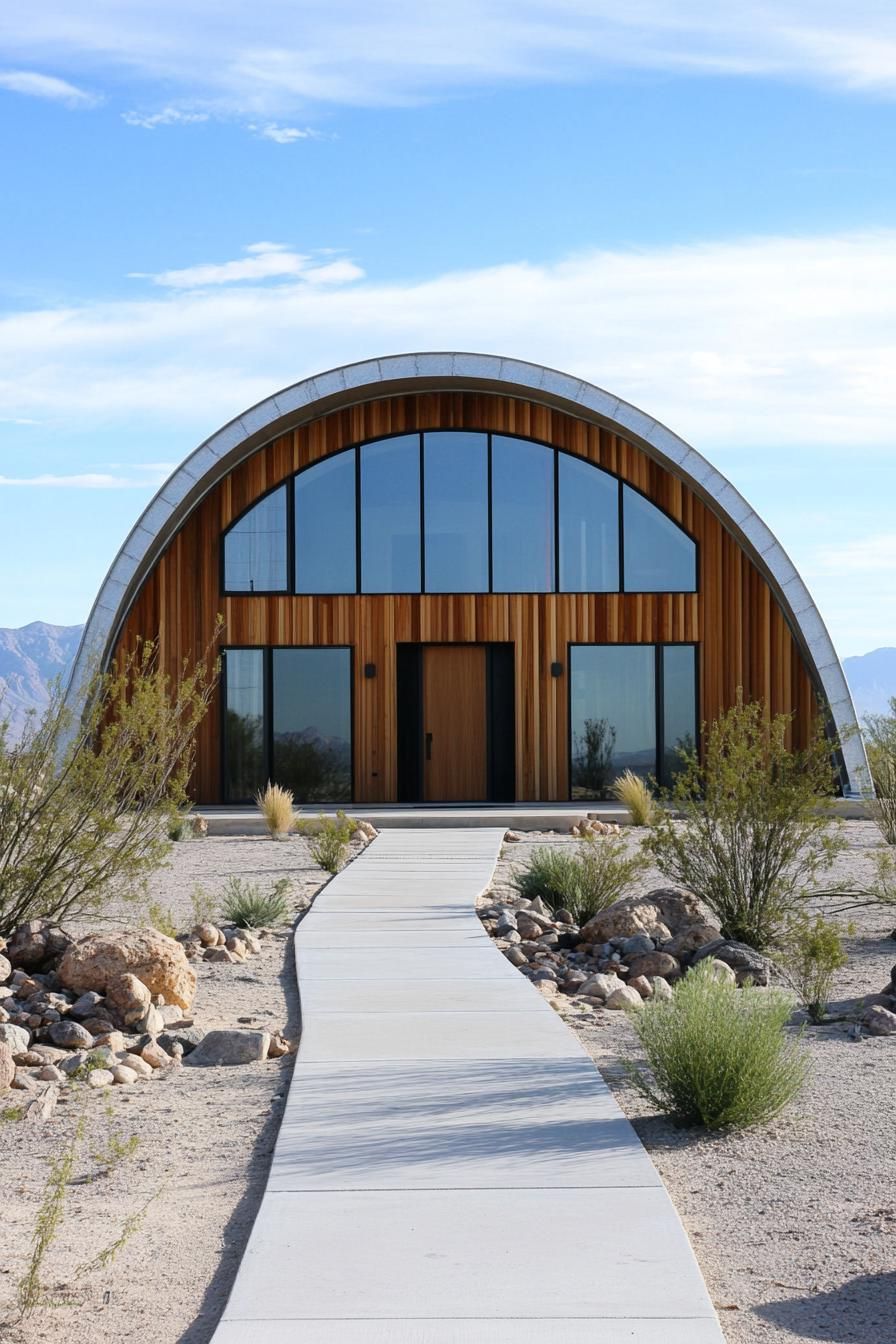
(317, 396)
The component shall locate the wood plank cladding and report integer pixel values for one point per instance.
(743, 637)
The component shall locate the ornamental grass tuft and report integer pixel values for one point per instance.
(584, 882)
(634, 793)
(718, 1056)
(276, 806)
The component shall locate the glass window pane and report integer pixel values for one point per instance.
(679, 706)
(312, 724)
(522, 516)
(325, 526)
(255, 548)
(612, 715)
(659, 556)
(589, 527)
(455, 487)
(243, 723)
(390, 515)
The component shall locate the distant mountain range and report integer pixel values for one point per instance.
(872, 680)
(32, 656)
(29, 660)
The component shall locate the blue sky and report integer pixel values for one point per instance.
(205, 202)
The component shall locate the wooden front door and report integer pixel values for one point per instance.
(455, 744)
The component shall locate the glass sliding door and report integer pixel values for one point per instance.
(244, 724)
(631, 707)
(311, 723)
(679, 709)
(612, 715)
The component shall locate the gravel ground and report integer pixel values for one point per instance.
(793, 1223)
(205, 1142)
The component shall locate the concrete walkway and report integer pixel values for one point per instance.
(451, 1168)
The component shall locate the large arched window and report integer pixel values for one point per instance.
(451, 511)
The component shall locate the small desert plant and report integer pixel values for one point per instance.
(754, 834)
(245, 905)
(276, 806)
(203, 904)
(328, 839)
(880, 740)
(812, 951)
(584, 882)
(49, 1219)
(718, 1056)
(179, 827)
(634, 793)
(161, 917)
(9, 1114)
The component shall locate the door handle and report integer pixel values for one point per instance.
(429, 746)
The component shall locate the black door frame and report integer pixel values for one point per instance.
(500, 719)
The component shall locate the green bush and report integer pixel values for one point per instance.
(754, 834)
(880, 740)
(179, 828)
(328, 839)
(718, 1056)
(245, 905)
(582, 882)
(812, 951)
(161, 917)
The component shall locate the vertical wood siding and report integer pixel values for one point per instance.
(743, 637)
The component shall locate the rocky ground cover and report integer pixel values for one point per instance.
(130, 1037)
(792, 1222)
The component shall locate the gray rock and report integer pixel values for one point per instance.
(152, 1021)
(661, 988)
(230, 1047)
(624, 997)
(600, 985)
(17, 1038)
(87, 1005)
(516, 956)
(5, 968)
(72, 1063)
(506, 923)
(70, 1034)
(636, 946)
(746, 962)
(186, 1037)
(655, 963)
(879, 1021)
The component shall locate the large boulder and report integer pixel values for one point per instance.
(691, 939)
(158, 962)
(128, 998)
(655, 914)
(17, 1038)
(745, 961)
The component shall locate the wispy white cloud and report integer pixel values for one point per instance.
(169, 116)
(84, 480)
(284, 135)
(267, 60)
(764, 342)
(263, 261)
(35, 85)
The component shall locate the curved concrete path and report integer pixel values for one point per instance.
(451, 1167)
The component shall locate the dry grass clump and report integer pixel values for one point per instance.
(276, 806)
(633, 792)
(718, 1056)
(245, 905)
(584, 882)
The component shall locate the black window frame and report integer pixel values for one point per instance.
(555, 590)
(267, 730)
(659, 697)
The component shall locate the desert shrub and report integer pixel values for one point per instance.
(245, 905)
(812, 950)
(276, 806)
(161, 917)
(203, 904)
(583, 882)
(754, 833)
(328, 839)
(87, 791)
(179, 828)
(718, 1056)
(880, 741)
(634, 793)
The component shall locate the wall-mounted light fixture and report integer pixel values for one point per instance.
(369, 670)
(556, 669)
